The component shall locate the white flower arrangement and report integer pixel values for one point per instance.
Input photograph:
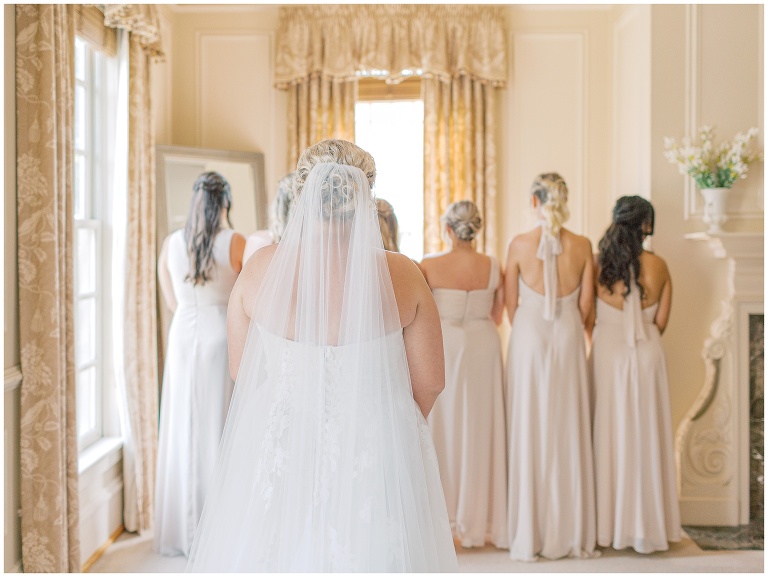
(710, 166)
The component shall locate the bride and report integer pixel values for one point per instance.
(326, 462)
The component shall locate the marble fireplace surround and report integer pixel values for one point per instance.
(712, 446)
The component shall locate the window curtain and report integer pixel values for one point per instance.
(140, 352)
(45, 38)
(460, 53)
(459, 155)
(319, 107)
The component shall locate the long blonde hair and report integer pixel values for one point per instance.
(552, 192)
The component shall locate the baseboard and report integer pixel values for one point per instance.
(100, 551)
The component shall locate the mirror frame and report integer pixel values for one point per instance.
(255, 159)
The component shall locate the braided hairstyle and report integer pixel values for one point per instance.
(211, 194)
(552, 192)
(622, 243)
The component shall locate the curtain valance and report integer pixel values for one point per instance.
(391, 41)
(142, 21)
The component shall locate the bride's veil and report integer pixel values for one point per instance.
(322, 460)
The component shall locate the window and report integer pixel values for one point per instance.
(389, 123)
(94, 109)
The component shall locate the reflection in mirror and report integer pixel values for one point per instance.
(179, 166)
(177, 169)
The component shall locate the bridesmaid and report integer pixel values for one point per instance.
(634, 461)
(467, 421)
(387, 225)
(278, 217)
(551, 483)
(197, 269)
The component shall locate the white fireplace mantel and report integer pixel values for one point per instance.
(738, 245)
(712, 443)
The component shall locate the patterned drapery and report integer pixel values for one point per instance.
(319, 107)
(459, 155)
(142, 21)
(459, 51)
(140, 330)
(45, 38)
(437, 41)
(140, 336)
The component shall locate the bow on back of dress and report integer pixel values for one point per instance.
(634, 329)
(549, 248)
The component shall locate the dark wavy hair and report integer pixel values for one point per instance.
(622, 243)
(211, 194)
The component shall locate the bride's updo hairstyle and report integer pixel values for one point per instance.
(622, 243)
(463, 219)
(338, 192)
(552, 193)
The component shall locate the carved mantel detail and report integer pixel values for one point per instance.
(712, 468)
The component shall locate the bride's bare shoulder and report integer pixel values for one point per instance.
(402, 269)
(254, 269)
(409, 285)
(259, 261)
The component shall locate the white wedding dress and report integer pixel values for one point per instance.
(551, 476)
(637, 502)
(327, 463)
(467, 421)
(197, 389)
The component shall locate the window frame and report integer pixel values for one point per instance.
(95, 155)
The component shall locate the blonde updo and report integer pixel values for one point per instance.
(387, 224)
(552, 193)
(339, 152)
(464, 219)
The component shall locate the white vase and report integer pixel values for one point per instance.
(714, 208)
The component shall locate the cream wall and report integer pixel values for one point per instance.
(222, 93)
(556, 113)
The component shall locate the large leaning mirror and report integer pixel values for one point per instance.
(177, 169)
(179, 166)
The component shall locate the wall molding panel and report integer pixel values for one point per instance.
(564, 56)
(695, 72)
(217, 92)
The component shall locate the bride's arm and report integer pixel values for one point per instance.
(241, 302)
(421, 332)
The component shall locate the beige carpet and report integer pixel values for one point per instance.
(133, 554)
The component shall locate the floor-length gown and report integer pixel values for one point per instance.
(197, 389)
(551, 483)
(467, 421)
(637, 502)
